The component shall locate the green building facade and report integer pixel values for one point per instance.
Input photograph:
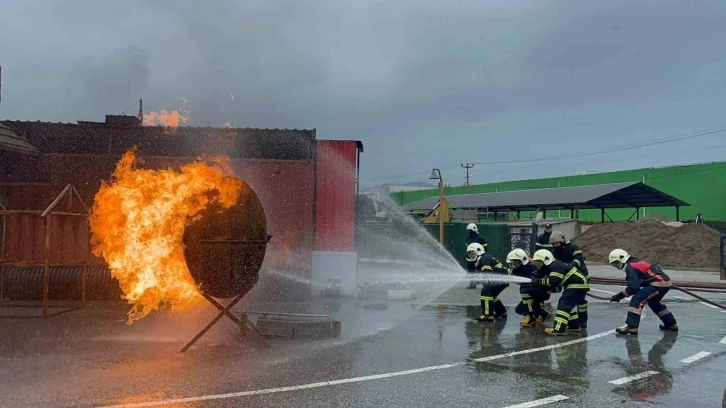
(703, 186)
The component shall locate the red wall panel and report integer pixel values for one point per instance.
(335, 195)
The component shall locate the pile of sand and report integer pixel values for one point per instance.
(689, 245)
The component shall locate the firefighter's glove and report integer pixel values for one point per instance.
(538, 282)
(617, 297)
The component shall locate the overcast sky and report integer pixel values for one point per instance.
(423, 83)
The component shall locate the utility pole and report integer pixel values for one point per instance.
(467, 166)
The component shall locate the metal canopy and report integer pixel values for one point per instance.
(11, 141)
(601, 196)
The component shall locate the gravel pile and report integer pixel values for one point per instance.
(690, 245)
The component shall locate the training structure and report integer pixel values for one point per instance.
(57, 230)
(224, 250)
(635, 195)
(306, 186)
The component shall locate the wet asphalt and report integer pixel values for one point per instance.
(406, 353)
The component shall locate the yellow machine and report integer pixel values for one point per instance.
(433, 216)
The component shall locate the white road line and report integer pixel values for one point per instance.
(539, 402)
(625, 380)
(681, 297)
(550, 347)
(695, 357)
(283, 389)
(711, 306)
(351, 380)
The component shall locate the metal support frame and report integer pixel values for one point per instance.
(722, 260)
(678, 213)
(47, 216)
(633, 214)
(604, 214)
(244, 324)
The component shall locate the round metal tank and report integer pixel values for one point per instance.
(224, 248)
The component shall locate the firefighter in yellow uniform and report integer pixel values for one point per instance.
(574, 289)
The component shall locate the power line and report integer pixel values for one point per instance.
(127, 109)
(636, 145)
(617, 148)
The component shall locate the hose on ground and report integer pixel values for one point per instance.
(686, 291)
(598, 297)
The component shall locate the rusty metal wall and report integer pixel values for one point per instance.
(25, 230)
(285, 188)
(278, 163)
(335, 195)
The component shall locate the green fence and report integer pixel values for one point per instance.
(404, 240)
(497, 236)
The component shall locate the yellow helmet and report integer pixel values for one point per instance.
(543, 255)
(519, 255)
(474, 251)
(618, 255)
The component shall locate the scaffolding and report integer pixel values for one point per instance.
(57, 229)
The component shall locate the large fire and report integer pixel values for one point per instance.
(169, 120)
(138, 220)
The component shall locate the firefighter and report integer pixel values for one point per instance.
(491, 306)
(570, 253)
(647, 283)
(533, 297)
(574, 288)
(543, 240)
(473, 237)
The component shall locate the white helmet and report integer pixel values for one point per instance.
(618, 255)
(518, 254)
(543, 255)
(472, 227)
(474, 251)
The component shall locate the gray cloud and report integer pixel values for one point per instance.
(423, 83)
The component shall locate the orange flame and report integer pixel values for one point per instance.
(169, 120)
(138, 221)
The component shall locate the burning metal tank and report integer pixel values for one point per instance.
(224, 248)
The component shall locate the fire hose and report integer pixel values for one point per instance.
(711, 288)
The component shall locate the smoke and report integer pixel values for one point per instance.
(85, 89)
(98, 87)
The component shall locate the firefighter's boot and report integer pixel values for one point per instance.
(673, 327)
(485, 318)
(545, 316)
(627, 329)
(552, 332)
(528, 321)
(573, 330)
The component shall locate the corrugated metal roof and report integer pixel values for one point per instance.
(9, 140)
(96, 138)
(616, 195)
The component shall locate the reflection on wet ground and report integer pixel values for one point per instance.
(391, 353)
